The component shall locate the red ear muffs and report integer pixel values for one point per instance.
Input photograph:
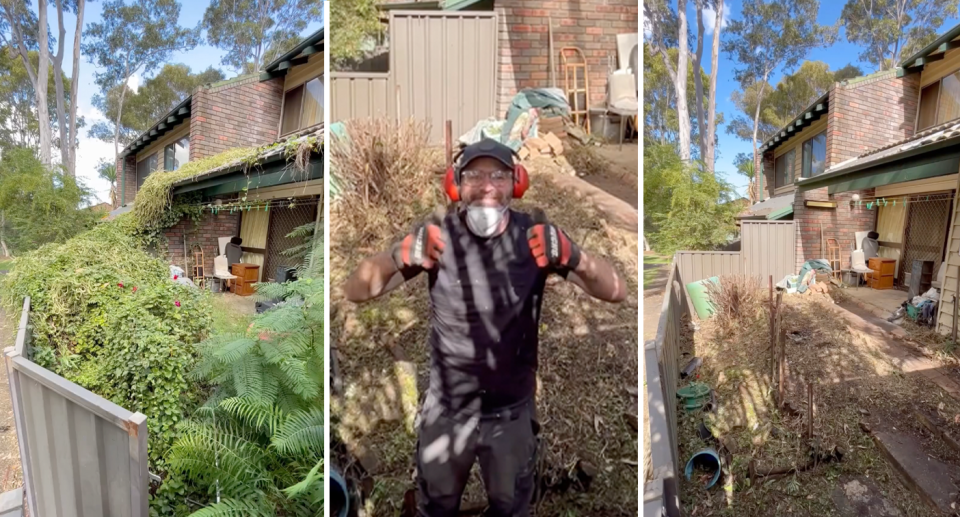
(451, 182)
(521, 181)
(450, 185)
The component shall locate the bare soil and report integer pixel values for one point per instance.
(860, 376)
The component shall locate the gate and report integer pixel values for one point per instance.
(925, 231)
(443, 66)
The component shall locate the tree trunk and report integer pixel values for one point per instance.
(74, 85)
(710, 159)
(116, 129)
(698, 82)
(43, 70)
(757, 166)
(683, 113)
(3, 234)
(65, 147)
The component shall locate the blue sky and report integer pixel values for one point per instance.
(90, 150)
(837, 56)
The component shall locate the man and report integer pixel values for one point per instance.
(487, 267)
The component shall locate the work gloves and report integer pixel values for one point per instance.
(421, 247)
(552, 248)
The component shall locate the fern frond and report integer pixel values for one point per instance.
(248, 376)
(234, 350)
(264, 418)
(210, 454)
(310, 487)
(236, 508)
(301, 433)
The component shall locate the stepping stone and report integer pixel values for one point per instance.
(930, 478)
(860, 497)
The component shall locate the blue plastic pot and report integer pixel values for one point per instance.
(710, 459)
(338, 489)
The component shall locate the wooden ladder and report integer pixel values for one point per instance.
(574, 64)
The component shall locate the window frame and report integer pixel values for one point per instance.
(283, 106)
(790, 172)
(803, 144)
(155, 154)
(173, 144)
(936, 113)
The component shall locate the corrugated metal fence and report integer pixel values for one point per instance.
(768, 249)
(82, 455)
(443, 66)
(661, 365)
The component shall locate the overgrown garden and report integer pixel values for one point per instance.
(235, 417)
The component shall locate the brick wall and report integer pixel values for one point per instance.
(591, 25)
(207, 233)
(244, 113)
(838, 223)
(127, 189)
(872, 113)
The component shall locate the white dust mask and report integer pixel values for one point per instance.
(484, 221)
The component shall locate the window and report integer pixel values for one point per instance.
(928, 106)
(949, 107)
(176, 154)
(312, 104)
(814, 156)
(302, 106)
(784, 169)
(144, 168)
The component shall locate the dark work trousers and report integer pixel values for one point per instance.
(505, 444)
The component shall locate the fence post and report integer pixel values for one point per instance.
(139, 489)
(13, 379)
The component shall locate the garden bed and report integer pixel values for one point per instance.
(858, 385)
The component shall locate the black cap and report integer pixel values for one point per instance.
(487, 148)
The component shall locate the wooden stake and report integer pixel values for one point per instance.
(810, 410)
(448, 142)
(553, 64)
(773, 336)
(782, 366)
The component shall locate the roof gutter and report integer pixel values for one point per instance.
(310, 45)
(813, 113)
(916, 62)
(166, 123)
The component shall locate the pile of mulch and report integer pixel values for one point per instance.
(587, 377)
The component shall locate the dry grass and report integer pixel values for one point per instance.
(586, 160)
(588, 350)
(735, 298)
(856, 379)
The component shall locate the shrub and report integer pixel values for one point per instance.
(258, 441)
(106, 316)
(735, 298)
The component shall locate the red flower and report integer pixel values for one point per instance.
(134, 288)
(120, 285)
(177, 303)
(175, 276)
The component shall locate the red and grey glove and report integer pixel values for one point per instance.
(551, 247)
(421, 247)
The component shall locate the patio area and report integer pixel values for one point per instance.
(881, 302)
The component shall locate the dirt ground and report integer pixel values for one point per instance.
(619, 175)
(11, 475)
(587, 375)
(860, 378)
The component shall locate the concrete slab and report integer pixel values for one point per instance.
(933, 480)
(880, 302)
(860, 497)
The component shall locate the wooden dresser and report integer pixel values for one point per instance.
(247, 275)
(884, 271)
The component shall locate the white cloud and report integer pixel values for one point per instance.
(710, 18)
(134, 82)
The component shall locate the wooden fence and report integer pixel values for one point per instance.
(82, 455)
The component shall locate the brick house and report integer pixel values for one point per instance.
(889, 144)
(283, 104)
